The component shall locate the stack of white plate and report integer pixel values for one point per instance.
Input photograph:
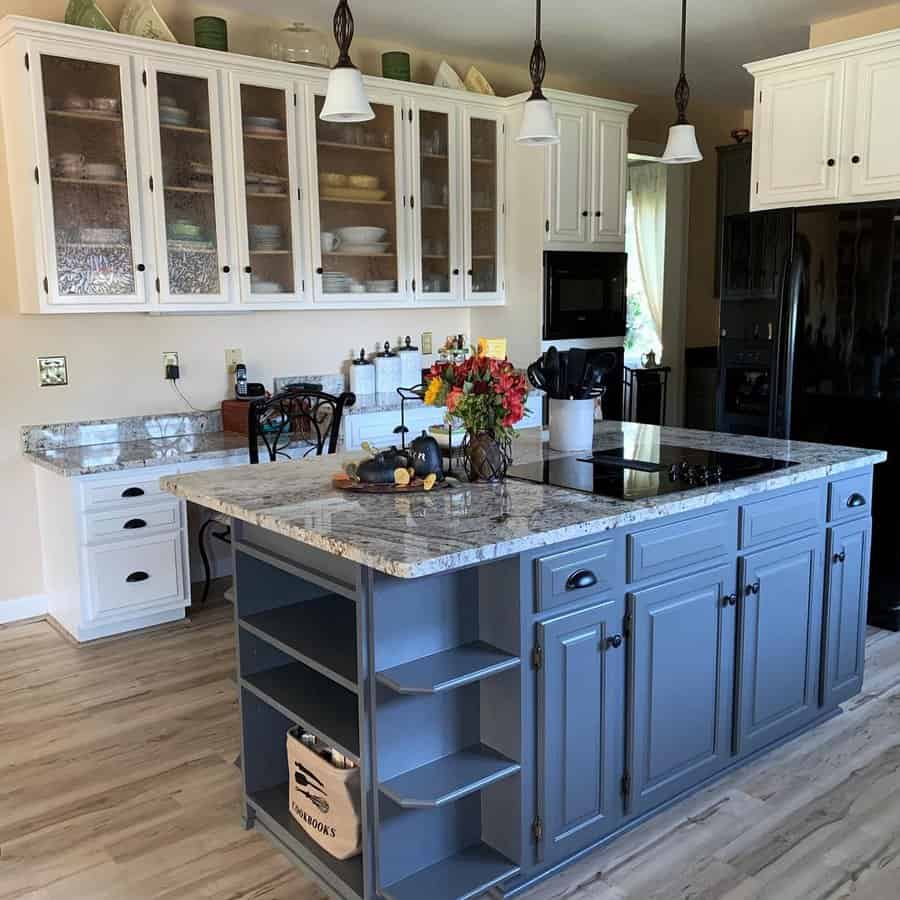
(266, 238)
(336, 282)
(382, 286)
(173, 115)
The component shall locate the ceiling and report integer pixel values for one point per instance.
(632, 44)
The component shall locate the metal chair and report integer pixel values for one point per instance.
(294, 418)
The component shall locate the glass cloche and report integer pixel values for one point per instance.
(299, 44)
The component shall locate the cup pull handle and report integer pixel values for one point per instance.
(752, 588)
(579, 580)
(131, 524)
(133, 492)
(854, 501)
(135, 577)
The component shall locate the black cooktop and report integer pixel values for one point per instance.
(638, 474)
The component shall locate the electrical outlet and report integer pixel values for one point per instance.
(427, 348)
(233, 357)
(169, 359)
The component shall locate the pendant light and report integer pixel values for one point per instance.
(345, 100)
(682, 146)
(538, 122)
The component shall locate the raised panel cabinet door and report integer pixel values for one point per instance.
(681, 681)
(874, 126)
(568, 215)
(267, 174)
(581, 712)
(798, 136)
(846, 602)
(89, 179)
(609, 148)
(780, 642)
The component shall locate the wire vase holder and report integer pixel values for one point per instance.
(486, 457)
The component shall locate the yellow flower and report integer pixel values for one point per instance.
(434, 388)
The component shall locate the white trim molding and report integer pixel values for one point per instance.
(16, 609)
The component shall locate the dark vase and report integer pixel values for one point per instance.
(485, 458)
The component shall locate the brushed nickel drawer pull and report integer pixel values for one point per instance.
(135, 577)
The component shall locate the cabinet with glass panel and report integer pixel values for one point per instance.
(188, 185)
(359, 197)
(89, 179)
(265, 115)
(483, 178)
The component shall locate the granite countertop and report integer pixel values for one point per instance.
(412, 535)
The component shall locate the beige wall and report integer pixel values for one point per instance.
(871, 21)
(115, 360)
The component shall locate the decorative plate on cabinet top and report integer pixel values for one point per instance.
(446, 77)
(477, 83)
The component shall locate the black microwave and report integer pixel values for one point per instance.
(584, 295)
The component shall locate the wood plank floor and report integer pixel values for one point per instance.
(117, 782)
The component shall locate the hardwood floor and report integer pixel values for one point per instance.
(117, 782)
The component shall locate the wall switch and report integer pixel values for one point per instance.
(170, 366)
(427, 348)
(52, 371)
(233, 357)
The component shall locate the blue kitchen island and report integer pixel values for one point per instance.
(523, 671)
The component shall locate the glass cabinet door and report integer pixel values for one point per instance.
(359, 193)
(484, 207)
(90, 185)
(436, 203)
(190, 200)
(270, 232)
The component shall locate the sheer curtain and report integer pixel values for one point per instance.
(648, 197)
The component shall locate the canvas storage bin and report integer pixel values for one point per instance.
(324, 798)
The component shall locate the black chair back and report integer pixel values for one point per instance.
(296, 415)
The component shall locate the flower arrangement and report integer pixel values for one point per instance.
(487, 395)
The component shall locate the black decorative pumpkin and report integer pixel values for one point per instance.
(425, 456)
(380, 468)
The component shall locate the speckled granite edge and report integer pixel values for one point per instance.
(118, 431)
(417, 535)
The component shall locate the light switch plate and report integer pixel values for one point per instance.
(53, 371)
(427, 348)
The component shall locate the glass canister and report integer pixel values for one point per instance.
(362, 375)
(410, 365)
(387, 371)
(299, 44)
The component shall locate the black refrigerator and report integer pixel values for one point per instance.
(817, 357)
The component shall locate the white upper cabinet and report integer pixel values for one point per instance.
(825, 125)
(873, 140)
(88, 179)
(268, 155)
(797, 135)
(567, 178)
(586, 177)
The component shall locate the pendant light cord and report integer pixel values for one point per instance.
(683, 30)
(537, 27)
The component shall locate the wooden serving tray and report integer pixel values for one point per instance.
(416, 486)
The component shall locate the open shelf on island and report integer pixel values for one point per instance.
(448, 669)
(320, 632)
(271, 807)
(311, 700)
(468, 874)
(449, 778)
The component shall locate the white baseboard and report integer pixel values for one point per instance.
(19, 608)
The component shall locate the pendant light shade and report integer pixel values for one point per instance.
(345, 100)
(682, 147)
(538, 122)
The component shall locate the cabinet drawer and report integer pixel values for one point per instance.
(131, 523)
(142, 486)
(850, 497)
(566, 577)
(134, 575)
(782, 517)
(667, 548)
(378, 428)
